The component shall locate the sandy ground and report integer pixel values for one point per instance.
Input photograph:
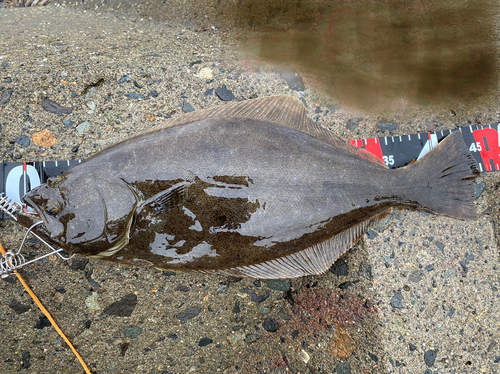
(423, 285)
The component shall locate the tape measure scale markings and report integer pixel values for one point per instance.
(397, 151)
(17, 178)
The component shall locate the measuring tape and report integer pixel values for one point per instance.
(18, 178)
(397, 151)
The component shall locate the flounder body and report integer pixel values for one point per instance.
(248, 189)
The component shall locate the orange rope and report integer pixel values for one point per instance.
(47, 314)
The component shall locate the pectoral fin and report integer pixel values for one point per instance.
(167, 200)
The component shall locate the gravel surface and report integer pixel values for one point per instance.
(420, 293)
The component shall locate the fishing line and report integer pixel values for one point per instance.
(46, 312)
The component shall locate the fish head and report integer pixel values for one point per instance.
(82, 215)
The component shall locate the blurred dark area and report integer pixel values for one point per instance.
(368, 53)
(362, 53)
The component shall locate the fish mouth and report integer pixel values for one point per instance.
(31, 219)
(30, 214)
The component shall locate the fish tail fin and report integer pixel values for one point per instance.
(445, 179)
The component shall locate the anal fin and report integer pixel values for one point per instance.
(311, 261)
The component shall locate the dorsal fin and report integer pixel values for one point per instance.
(283, 110)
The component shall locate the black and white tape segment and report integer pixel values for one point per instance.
(17, 178)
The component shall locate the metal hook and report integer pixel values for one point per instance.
(10, 207)
(10, 261)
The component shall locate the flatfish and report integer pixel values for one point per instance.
(251, 189)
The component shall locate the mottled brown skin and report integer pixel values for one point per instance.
(248, 191)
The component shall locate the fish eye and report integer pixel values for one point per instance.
(53, 182)
(52, 207)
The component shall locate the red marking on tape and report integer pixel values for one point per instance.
(491, 137)
(371, 145)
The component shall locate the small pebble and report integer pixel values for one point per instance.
(124, 79)
(42, 323)
(397, 301)
(53, 107)
(439, 245)
(79, 264)
(236, 308)
(429, 267)
(452, 312)
(366, 270)
(82, 126)
(132, 332)
(205, 341)
(340, 267)
(205, 74)
(412, 347)
(430, 357)
(344, 368)
(258, 299)
(479, 188)
(23, 141)
(134, 96)
(270, 324)
(464, 267)
(304, 356)
(123, 307)
(4, 99)
(224, 94)
(188, 314)
(284, 316)
(371, 234)
(25, 360)
(186, 108)
(278, 284)
(17, 307)
(68, 123)
(88, 276)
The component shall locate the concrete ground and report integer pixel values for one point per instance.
(420, 294)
